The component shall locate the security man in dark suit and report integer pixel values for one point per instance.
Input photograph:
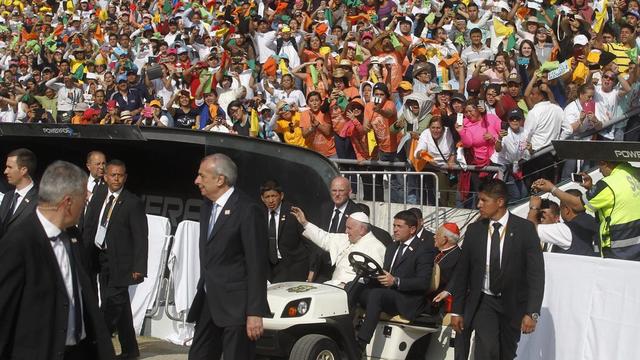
(423, 234)
(231, 299)
(48, 310)
(96, 186)
(121, 237)
(408, 265)
(333, 218)
(499, 281)
(19, 203)
(288, 249)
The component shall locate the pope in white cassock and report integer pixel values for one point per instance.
(358, 237)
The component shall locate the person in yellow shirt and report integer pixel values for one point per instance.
(288, 124)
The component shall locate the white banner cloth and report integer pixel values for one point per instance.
(184, 262)
(591, 311)
(143, 294)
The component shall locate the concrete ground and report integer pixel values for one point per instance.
(157, 349)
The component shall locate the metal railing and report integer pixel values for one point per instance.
(385, 188)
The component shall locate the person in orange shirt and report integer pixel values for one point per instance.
(316, 127)
(354, 129)
(380, 115)
(339, 98)
(320, 84)
(78, 111)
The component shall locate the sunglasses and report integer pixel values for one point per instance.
(610, 77)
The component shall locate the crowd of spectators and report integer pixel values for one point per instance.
(434, 83)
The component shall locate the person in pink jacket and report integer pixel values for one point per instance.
(478, 135)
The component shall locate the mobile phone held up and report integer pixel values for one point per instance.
(459, 119)
(577, 178)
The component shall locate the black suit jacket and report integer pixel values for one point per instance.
(26, 207)
(126, 237)
(522, 270)
(327, 213)
(233, 263)
(293, 247)
(447, 266)
(34, 301)
(414, 270)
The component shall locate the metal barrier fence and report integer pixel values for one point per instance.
(381, 187)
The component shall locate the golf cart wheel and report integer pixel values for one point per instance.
(315, 347)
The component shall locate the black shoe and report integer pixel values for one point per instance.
(128, 356)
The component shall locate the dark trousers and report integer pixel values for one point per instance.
(210, 341)
(289, 270)
(86, 349)
(116, 309)
(496, 338)
(376, 300)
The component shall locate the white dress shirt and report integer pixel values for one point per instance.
(407, 244)
(276, 215)
(23, 192)
(342, 209)
(91, 183)
(62, 257)
(503, 231)
(543, 124)
(102, 231)
(222, 201)
(339, 248)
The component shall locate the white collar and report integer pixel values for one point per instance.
(23, 192)
(115, 194)
(222, 200)
(503, 221)
(49, 228)
(342, 207)
(276, 210)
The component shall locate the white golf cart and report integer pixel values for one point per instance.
(312, 321)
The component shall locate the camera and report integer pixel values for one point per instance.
(377, 100)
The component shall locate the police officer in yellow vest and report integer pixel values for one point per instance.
(616, 200)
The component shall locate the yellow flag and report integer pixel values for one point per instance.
(156, 18)
(600, 18)
(500, 29)
(371, 141)
(70, 5)
(283, 67)
(372, 76)
(254, 123)
(102, 15)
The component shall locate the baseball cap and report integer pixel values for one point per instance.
(515, 113)
(580, 40)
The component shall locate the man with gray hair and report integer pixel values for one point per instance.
(357, 237)
(49, 310)
(232, 292)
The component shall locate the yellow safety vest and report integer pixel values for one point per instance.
(616, 198)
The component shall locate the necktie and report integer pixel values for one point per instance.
(77, 305)
(212, 219)
(334, 222)
(14, 202)
(96, 182)
(439, 257)
(107, 212)
(398, 257)
(273, 240)
(495, 281)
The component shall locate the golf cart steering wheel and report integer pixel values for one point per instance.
(364, 265)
